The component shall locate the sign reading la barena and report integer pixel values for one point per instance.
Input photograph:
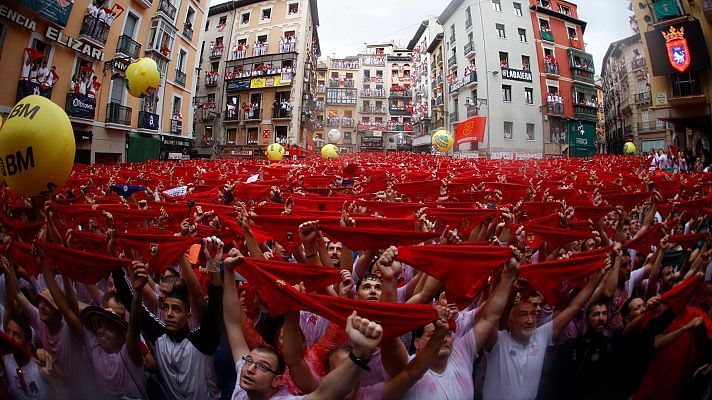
(516, 74)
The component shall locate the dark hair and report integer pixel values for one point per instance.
(595, 304)
(327, 360)
(23, 323)
(108, 297)
(281, 365)
(180, 292)
(371, 277)
(625, 308)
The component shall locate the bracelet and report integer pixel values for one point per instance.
(360, 362)
(313, 255)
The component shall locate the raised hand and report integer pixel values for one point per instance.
(140, 276)
(234, 257)
(210, 245)
(387, 264)
(309, 233)
(449, 237)
(346, 284)
(365, 335)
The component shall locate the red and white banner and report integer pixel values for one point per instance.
(472, 130)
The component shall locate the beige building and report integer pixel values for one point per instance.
(627, 100)
(258, 77)
(86, 50)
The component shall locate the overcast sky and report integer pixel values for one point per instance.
(347, 25)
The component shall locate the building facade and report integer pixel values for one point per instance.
(491, 64)
(567, 79)
(76, 55)
(258, 78)
(628, 101)
(676, 36)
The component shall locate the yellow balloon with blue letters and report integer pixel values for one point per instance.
(36, 147)
(442, 141)
(143, 77)
(275, 152)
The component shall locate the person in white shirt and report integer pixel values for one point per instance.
(43, 74)
(515, 358)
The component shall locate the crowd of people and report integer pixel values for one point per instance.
(366, 277)
(37, 72)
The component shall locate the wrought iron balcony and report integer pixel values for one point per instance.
(586, 112)
(650, 126)
(168, 9)
(452, 62)
(95, 29)
(643, 97)
(126, 45)
(469, 49)
(188, 31)
(118, 114)
(180, 77)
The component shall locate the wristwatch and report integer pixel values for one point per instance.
(360, 362)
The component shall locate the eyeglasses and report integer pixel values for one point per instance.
(260, 365)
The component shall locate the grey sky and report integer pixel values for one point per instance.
(347, 25)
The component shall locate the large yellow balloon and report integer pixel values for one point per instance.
(36, 147)
(442, 141)
(143, 77)
(329, 151)
(275, 152)
(629, 148)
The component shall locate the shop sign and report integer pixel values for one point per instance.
(81, 106)
(75, 44)
(16, 17)
(516, 74)
(241, 152)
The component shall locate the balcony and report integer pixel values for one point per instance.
(440, 59)
(374, 60)
(452, 62)
(344, 64)
(650, 126)
(282, 113)
(373, 93)
(582, 75)
(211, 78)
(321, 89)
(472, 111)
(176, 126)
(470, 79)
(332, 122)
(547, 34)
(639, 63)
(469, 50)
(209, 113)
(347, 122)
(217, 51)
(587, 113)
(80, 106)
(168, 9)
(371, 126)
(188, 31)
(232, 114)
(254, 115)
(94, 30)
(554, 108)
(147, 120)
(118, 114)
(551, 68)
(128, 46)
(400, 110)
(575, 43)
(644, 97)
(373, 110)
(402, 93)
(454, 118)
(180, 78)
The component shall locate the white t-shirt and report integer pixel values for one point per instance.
(187, 373)
(26, 68)
(116, 373)
(35, 387)
(313, 326)
(456, 382)
(513, 370)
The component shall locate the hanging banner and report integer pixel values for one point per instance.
(471, 130)
(56, 11)
(79, 105)
(272, 81)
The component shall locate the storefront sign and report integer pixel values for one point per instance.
(16, 17)
(371, 143)
(81, 106)
(178, 156)
(74, 44)
(516, 74)
(118, 64)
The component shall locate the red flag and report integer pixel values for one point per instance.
(158, 250)
(315, 277)
(374, 238)
(79, 265)
(547, 275)
(688, 241)
(471, 130)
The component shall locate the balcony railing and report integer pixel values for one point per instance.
(452, 62)
(554, 108)
(232, 113)
(211, 78)
(470, 78)
(217, 51)
(344, 64)
(167, 8)
(118, 114)
(582, 75)
(472, 111)
(188, 31)
(686, 88)
(128, 46)
(642, 97)
(378, 93)
(586, 112)
(400, 110)
(176, 126)
(95, 29)
(347, 122)
(282, 113)
(639, 63)
(401, 93)
(148, 120)
(332, 122)
(454, 118)
(180, 77)
(320, 89)
(547, 35)
(650, 126)
(255, 114)
(551, 68)
(469, 49)
(373, 110)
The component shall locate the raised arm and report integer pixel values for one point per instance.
(207, 338)
(491, 312)
(232, 309)
(72, 319)
(309, 234)
(293, 352)
(363, 262)
(665, 339)
(133, 335)
(253, 248)
(195, 292)
(579, 301)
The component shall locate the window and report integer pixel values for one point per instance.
(504, 59)
(82, 71)
(266, 14)
(452, 34)
(182, 56)
(572, 32)
(161, 36)
(208, 135)
(347, 137)
(530, 131)
(508, 129)
(223, 21)
(522, 35)
(526, 65)
(293, 9)
(497, 5)
(177, 106)
(252, 137)
(245, 18)
(518, 9)
(564, 9)
(468, 18)
(506, 93)
(500, 31)
(231, 136)
(529, 94)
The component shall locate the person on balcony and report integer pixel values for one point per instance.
(43, 74)
(292, 43)
(93, 87)
(99, 23)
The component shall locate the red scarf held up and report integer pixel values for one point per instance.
(464, 219)
(556, 237)
(643, 242)
(25, 230)
(375, 238)
(315, 277)
(462, 269)
(688, 241)
(627, 200)
(81, 266)
(547, 275)
(285, 228)
(158, 250)
(418, 190)
(396, 319)
(594, 213)
(538, 209)
(89, 241)
(21, 254)
(391, 209)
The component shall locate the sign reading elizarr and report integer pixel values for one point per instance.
(74, 44)
(516, 74)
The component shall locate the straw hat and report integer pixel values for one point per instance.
(90, 316)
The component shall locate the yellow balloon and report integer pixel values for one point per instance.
(36, 147)
(329, 151)
(442, 141)
(629, 148)
(143, 77)
(275, 152)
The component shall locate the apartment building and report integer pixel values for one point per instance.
(258, 78)
(627, 100)
(423, 82)
(76, 55)
(676, 36)
(567, 79)
(491, 55)
(341, 81)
